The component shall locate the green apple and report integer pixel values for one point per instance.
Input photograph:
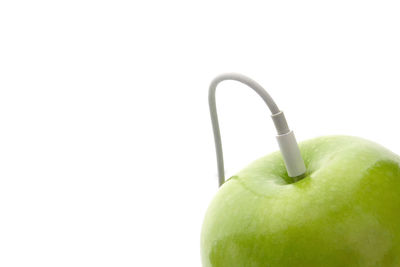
(344, 212)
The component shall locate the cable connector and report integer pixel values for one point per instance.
(288, 146)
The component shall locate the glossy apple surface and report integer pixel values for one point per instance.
(344, 212)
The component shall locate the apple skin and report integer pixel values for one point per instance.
(344, 212)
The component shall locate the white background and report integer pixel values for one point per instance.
(106, 150)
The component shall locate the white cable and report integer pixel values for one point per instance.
(286, 139)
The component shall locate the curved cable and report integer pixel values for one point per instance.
(292, 154)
